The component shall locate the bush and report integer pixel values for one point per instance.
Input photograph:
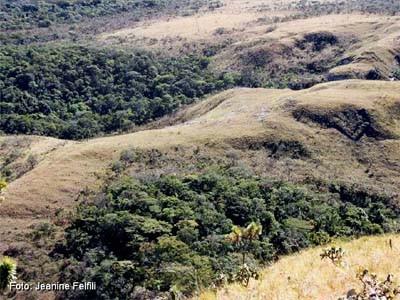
(8, 269)
(373, 288)
(3, 185)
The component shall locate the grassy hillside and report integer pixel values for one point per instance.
(280, 44)
(340, 135)
(344, 125)
(306, 276)
(197, 141)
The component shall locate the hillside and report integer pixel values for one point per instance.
(170, 149)
(344, 132)
(326, 120)
(306, 276)
(133, 73)
(278, 44)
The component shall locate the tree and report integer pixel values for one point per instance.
(242, 238)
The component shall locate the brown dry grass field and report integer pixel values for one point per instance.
(350, 128)
(371, 41)
(306, 276)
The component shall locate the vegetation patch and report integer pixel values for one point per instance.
(175, 234)
(310, 8)
(21, 14)
(8, 271)
(75, 92)
(300, 65)
(14, 160)
(317, 41)
(373, 288)
(276, 148)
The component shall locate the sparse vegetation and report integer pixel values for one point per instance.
(14, 160)
(316, 8)
(27, 14)
(334, 254)
(304, 276)
(373, 288)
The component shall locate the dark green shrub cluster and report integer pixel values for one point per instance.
(77, 92)
(171, 235)
(19, 14)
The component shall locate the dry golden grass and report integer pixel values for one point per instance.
(374, 46)
(198, 27)
(247, 24)
(304, 276)
(233, 14)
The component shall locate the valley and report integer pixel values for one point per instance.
(119, 139)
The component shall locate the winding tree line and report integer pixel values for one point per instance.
(77, 92)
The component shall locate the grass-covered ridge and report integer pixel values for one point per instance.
(168, 235)
(76, 92)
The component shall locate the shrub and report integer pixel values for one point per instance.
(8, 271)
(3, 185)
(43, 230)
(373, 288)
(334, 254)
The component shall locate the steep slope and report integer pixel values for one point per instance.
(342, 131)
(306, 276)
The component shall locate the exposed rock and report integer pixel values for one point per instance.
(351, 121)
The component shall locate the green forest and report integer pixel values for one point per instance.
(168, 235)
(76, 92)
(30, 14)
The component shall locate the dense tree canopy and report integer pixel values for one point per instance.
(19, 14)
(171, 234)
(76, 92)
